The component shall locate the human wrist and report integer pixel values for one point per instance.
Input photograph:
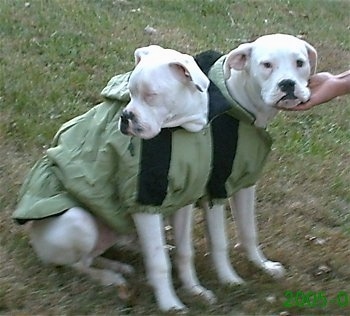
(342, 83)
(343, 74)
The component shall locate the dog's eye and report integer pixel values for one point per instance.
(267, 65)
(149, 97)
(300, 63)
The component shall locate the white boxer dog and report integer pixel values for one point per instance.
(92, 167)
(260, 76)
(167, 90)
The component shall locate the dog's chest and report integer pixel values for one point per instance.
(239, 148)
(121, 174)
(170, 170)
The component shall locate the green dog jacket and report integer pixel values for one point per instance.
(93, 165)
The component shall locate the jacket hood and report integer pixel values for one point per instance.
(117, 88)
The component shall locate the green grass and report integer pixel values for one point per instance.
(55, 58)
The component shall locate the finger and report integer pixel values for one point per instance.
(302, 107)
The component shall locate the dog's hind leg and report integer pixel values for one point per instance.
(182, 222)
(243, 209)
(150, 229)
(116, 266)
(70, 239)
(218, 244)
(64, 239)
(103, 276)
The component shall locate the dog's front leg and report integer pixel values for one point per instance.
(243, 209)
(218, 243)
(150, 229)
(183, 222)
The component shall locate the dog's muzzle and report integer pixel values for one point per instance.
(287, 86)
(125, 120)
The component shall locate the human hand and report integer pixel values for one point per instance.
(321, 87)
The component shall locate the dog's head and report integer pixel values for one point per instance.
(167, 89)
(276, 69)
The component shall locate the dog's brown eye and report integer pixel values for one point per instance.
(149, 97)
(267, 65)
(300, 63)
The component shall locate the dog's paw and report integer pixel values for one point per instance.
(232, 281)
(229, 277)
(173, 306)
(180, 311)
(126, 269)
(112, 278)
(168, 301)
(116, 266)
(202, 292)
(273, 268)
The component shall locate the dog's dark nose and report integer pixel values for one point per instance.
(287, 85)
(125, 117)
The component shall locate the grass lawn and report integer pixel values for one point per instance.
(55, 58)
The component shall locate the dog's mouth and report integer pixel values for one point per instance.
(289, 100)
(132, 127)
(288, 96)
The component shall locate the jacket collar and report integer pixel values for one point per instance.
(216, 75)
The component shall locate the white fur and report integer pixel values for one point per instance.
(253, 73)
(77, 238)
(171, 91)
(167, 89)
(255, 70)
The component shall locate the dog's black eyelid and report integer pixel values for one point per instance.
(300, 63)
(267, 64)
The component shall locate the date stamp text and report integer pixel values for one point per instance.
(315, 299)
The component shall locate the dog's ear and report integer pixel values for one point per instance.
(188, 69)
(143, 51)
(312, 53)
(237, 59)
